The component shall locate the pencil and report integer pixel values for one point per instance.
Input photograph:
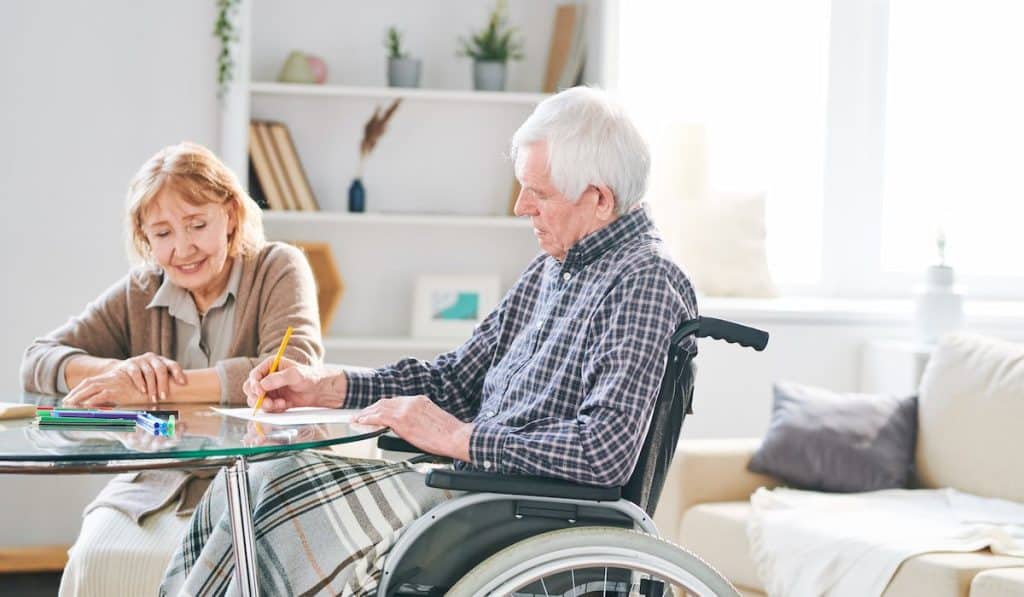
(273, 366)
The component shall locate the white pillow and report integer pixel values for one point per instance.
(722, 245)
(970, 411)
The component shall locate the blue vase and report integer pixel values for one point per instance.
(356, 196)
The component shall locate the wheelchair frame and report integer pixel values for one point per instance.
(516, 508)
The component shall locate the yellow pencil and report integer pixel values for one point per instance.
(273, 366)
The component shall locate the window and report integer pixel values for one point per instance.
(870, 125)
(754, 73)
(954, 135)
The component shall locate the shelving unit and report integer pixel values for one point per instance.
(360, 219)
(439, 180)
(440, 95)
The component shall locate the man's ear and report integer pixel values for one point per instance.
(605, 203)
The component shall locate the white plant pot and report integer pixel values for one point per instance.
(489, 75)
(404, 72)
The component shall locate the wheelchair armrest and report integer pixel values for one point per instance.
(519, 485)
(390, 441)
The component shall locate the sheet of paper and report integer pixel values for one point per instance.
(305, 415)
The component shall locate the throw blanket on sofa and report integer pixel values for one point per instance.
(807, 543)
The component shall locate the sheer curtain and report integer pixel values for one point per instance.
(737, 88)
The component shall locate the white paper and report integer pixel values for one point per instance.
(305, 415)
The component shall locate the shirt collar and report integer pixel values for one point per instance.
(626, 227)
(179, 302)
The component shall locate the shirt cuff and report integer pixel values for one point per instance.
(487, 445)
(363, 387)
(62, 382)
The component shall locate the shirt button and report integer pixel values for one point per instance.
(491, 413)
(566, 276)
(487, 464)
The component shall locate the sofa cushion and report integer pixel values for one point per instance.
(717, 532)
(943, 574)
(969, 417)
(1004, 582)
(827, 441)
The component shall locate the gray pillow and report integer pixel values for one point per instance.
(827, 441)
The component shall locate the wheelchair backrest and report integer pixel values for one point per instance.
(674, 402)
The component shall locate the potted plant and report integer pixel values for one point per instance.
(403, 71)
(491, 49)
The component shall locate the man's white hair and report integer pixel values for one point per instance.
(590, 141)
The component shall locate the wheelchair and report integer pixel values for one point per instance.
(526, 536)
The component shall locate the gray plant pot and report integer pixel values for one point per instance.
(488, 75)
(404, 72)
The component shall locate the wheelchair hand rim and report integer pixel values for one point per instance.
(547, 564)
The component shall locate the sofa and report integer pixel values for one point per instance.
(969, 437)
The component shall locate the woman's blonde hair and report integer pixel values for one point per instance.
(201, 178)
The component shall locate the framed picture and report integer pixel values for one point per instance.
(451, 306)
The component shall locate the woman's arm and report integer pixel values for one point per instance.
(99, 332)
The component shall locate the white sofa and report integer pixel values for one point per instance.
(970, 437)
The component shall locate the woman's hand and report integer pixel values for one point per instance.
(294, 385)
(113, 388)
(152, 374)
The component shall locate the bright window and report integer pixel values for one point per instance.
(954, 135)
(754, 73)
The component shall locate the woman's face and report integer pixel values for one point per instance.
(190, 242)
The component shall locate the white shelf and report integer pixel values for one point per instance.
(388, 218)
(463, 95)
(437, 345)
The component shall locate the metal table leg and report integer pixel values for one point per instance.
(236, 477)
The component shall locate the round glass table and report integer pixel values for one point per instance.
(203, 438)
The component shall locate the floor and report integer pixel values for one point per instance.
(42, 584)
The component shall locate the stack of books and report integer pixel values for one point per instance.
(276, 178)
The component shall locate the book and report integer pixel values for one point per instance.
(267, 187)
(561, 43)
(276, 166)
(295, 175)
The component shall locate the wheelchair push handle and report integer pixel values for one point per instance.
(720, 329)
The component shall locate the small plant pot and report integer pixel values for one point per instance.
(404, 72)
(489, 75)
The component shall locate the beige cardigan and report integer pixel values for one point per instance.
(276, 291)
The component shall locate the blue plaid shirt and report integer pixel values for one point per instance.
(561, 378)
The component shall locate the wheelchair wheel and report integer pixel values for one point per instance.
(593, 561)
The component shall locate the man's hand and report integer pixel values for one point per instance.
(294, 385)
(419, 421)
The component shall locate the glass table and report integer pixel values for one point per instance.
(203, 439)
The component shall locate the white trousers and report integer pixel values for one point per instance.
(114, 556)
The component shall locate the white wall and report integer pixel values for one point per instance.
(88, 91)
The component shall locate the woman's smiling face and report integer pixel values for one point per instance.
(190, 242)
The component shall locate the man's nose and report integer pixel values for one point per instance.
(523, 207)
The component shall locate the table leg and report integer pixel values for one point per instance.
(236, 477)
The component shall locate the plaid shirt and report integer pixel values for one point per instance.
(561, 378)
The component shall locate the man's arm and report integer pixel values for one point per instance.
(453, 380)
(625, 364)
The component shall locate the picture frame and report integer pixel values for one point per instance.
(451, 306)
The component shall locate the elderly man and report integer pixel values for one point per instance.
(559, 380)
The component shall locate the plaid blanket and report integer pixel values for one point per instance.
(322, 523)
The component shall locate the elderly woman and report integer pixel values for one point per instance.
(560, 380)
(210, 300)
